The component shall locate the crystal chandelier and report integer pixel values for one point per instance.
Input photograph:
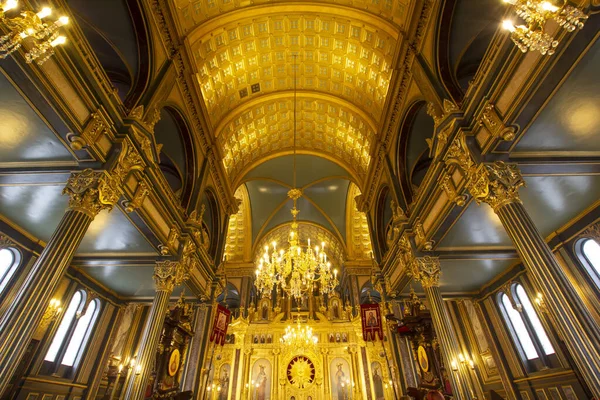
(29, 26)
(299, 337)
(297, 270)
(536, 13)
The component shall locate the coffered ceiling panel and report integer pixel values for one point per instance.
(194, 12)
(241, 58)
(324, 125)
(24, 136)
(570, 121)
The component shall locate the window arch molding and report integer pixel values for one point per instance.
(10, 260)
(587, 250)
(525, 327)
(69, 341)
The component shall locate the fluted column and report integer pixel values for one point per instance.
(90, 192)
(497, 185)
(427, 271)
(167, 275)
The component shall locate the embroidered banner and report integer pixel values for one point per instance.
(371, 322)
(220, 325)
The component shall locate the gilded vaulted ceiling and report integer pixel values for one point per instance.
(306, 230)
(265, 127)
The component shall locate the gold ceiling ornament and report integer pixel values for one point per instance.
(536, 13)
(297, 270)
(30, 27)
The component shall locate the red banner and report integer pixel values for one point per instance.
(220, 325)
(371, 322)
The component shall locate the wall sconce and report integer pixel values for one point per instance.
(454, 365)
(29, 25)
(539, 300)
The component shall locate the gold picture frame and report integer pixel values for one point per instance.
(174, 361)
(423, 359)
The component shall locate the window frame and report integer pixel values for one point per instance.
(57, 367)
(544, 360)
(9, 274)
(590, 268)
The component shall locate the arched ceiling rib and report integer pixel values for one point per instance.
(324, 125)
(242, 57)
(317, 234)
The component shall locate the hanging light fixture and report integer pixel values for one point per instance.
(536, 13)
(299, 337)
(298, 269)
(30, 26)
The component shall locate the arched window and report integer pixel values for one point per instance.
(73, 332)
(9, 261)
(591, 252)
(525, 325)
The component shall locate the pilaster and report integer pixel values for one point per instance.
(89, 193)
(167, 275)
(427, 271)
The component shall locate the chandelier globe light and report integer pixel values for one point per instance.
(536, 13)
(32, 27)
(299, 269)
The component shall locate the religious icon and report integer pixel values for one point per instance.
(174, 362)
(221, 321)
(371, 318)
(344, 337)
(224, 382)
(331, 338)
(255, 340)
(262, 375)
(341, 385)
(336, 310)
(265, 311)
(269, 338)
(423, 359)
(337, 337)
(262, 339)
(377, 381)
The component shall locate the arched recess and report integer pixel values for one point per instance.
(211, 221)
(238, 245)
(413, 152)
(383, 218)
(118, 34)
(358, 236)
(464, 35)
(177, 158)
(368, 294)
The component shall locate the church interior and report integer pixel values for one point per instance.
(299, 200)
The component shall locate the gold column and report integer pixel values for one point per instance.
(167, 275)
(498, 185)
(276, 353)
(326, 378)
(427, 271)
(90, 192)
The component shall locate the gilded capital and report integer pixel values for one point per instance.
(91, 192)
(426, 270)
(168, 274)
(496, 184)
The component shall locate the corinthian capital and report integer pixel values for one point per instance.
(168, 274)
(91, 192)
(496, 184)
(426, 270)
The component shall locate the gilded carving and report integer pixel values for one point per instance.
(168, 274)
(426, 270)
(91, 192)
(496, 184)
(491, 120)
(448, 187)
(5, 242)
(96, 126)
(420, 233)
(593, 232)
(139, 196)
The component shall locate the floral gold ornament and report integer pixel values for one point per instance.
(301, 372)
(298, 270)
(31, 27)
(536, 13)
